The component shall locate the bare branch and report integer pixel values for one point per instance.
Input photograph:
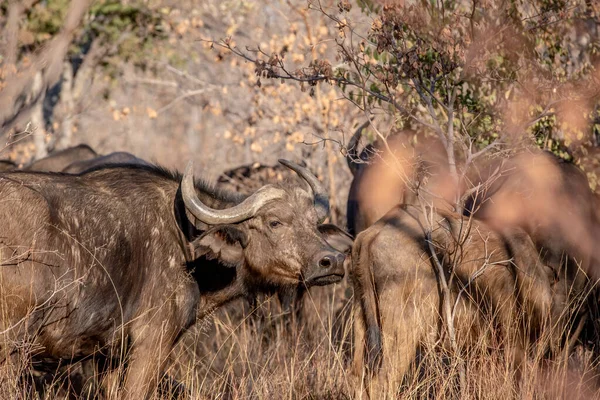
(185, 95)
(446, 295)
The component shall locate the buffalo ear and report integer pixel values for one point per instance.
(336, 237)
(224, 243)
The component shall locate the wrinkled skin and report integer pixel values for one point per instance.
(113, 260)
(397, 296)
(59, 160)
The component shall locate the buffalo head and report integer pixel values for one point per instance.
(274, 232)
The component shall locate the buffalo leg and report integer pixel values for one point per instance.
(146, 362)
(400, 300)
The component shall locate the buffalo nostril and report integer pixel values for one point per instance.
(325, 262)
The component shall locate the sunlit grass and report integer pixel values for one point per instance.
(237, 355)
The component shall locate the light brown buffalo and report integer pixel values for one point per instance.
(551, 200)
(505, 287)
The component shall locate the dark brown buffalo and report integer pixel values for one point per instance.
(119, 157)
(59, 160)
(385, 175)
(7, 165)
(121, 260)
(357, 219)
(248, 178)
(397, 296)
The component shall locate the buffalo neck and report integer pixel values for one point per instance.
(218, 284)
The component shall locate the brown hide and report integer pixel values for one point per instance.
(397, 296)
(59, 160)
(112, 262)
(551, 200)
(119, 157)
(7, 165)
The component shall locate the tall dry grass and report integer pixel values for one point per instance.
(560, 362)
(236, 354)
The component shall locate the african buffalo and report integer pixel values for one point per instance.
(248, 178)
(7, 165)
(398, 303)
(121, 260)
(551, 200)
(387, 174)
(119, 157)
(57, 161)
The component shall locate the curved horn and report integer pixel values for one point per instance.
(352, 152)
(241, 212)
(319, 192)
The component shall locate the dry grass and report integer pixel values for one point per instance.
(234, 355)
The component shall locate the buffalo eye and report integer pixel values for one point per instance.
(275, 224)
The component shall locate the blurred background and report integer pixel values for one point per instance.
(143, 77)
(157, 78)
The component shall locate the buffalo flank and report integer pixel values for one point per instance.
(127, 257)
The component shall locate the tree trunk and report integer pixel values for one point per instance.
(20, 96)
(37, 120)
(66, 98)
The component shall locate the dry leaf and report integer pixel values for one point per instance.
(152, 114)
